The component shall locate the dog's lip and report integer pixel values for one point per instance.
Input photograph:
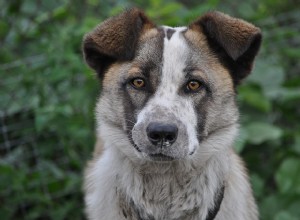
(136, 147)
(161, 157)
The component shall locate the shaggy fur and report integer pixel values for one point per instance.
(193, 174)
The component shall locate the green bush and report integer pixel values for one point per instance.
(47, 97)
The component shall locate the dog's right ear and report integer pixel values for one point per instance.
(235, 41)
(114, 40)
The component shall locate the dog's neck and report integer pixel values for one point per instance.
(170, 190)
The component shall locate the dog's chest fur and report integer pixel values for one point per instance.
(174, 192)
(163, 201)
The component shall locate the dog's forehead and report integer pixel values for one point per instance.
(162, 45)
(177, 50)
(166, 54)
(158, 48)
(171, 51)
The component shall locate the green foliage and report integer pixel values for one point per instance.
(47, 96)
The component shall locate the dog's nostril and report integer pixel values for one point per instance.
(161, 132)
(155, 136)
(170, 137)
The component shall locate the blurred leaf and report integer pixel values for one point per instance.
(42, 120)
(51, 168)
(288, 176)
(255, 98)
(283, 215)
(64, 211)
(257, 185)
(269, 75)
(60, 12)
(29, 7)
(296, 145)
(246, 9)
(294, 204)
(258, 132)
(170, 8)
(270, 206)
(93, 2)
(3, 29)
(292, 52)
(287, 94)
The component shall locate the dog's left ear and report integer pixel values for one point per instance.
(114, 40)
(235, 41)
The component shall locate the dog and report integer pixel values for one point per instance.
(167, 119)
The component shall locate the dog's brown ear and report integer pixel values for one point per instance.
(114, 40)
(235, 41)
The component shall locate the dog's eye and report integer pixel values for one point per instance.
(193, 85)
(138, 83)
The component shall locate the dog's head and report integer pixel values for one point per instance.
(165, 91)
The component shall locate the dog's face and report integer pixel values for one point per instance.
(167, 90)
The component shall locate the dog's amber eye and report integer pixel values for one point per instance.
(138, 83)
(193, 85)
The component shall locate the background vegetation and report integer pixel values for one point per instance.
(47, 96)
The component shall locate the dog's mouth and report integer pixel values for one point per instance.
(160, 157)
(156, 156)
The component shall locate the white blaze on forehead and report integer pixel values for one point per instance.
(174, 60)
(175, 55)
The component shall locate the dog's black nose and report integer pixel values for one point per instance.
(160, 132)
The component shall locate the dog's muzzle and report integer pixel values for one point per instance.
(160, 140)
